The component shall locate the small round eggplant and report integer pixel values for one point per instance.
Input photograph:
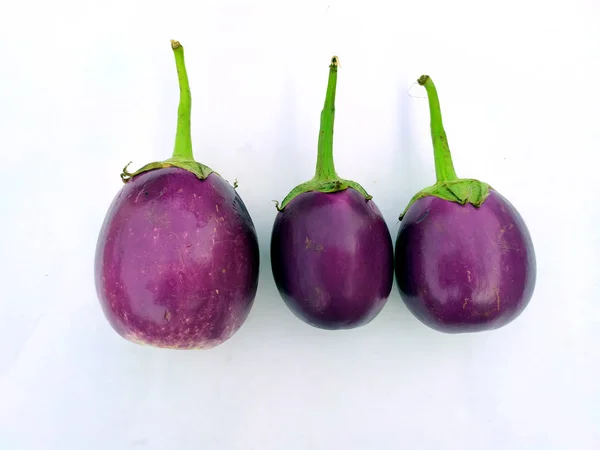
(464, 258)
(331, 250)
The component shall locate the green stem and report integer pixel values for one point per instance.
(182, 153)
(183, 138)
(325, 170)
(444, 168)
(326, 180)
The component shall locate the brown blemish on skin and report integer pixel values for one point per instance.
(504, 245)
(167, 316)
(469, 275)
(465, 303)
(217, 208)
(438, 226)
(317, 247)
(217, 291)
(223, 270)
(492, 310)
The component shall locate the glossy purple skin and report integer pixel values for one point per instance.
(177, 260)
(332, 259)
(462, 269)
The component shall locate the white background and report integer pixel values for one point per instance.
(87, 86)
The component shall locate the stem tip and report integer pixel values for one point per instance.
(175, 44)
(423, 79)
(335, 61)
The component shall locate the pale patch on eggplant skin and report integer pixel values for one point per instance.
(320, 300)
(183, 330)
(183, 341)
(140, 339)
(135, 338)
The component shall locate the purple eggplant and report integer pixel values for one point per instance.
(177, 257)
(331, 250)
(464, 258)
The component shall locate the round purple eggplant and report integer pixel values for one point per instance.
(332, 254)
(177, 257)
(464, 258)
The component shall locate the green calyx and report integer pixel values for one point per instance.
(326, 179)
(182, 154)
(448, 186)
(461, 190)
(198, 169)
(315, 185)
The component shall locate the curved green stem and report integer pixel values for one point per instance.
(325, 170)
(444, 168)
(448, 186)
(182, 153)
(183, 138)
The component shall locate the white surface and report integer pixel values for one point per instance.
(88, 86)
